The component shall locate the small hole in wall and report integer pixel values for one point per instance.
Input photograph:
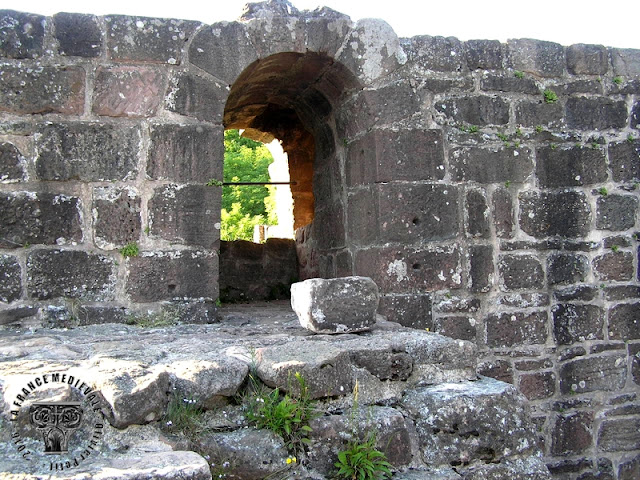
(171, 287)
(416, 266)
(416, 221)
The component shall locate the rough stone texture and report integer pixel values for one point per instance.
(16, 314)
(194, 96)
(481, 270)
(587, 59)
(572, 433)
(477, 214)
(477, 110)
(412, 311)
(38, 218)
(570, 167)
(543, 214)
(539, 113)
(463, 328)
(629, 468)
(577, 323)
(614, 266)
(484, 54)
(596, 113)
(508, 329)
(128, 91)
(339, 305)
(21, 34)
(520, 272)
(509, 83)
(10, 279)
(11, 163)
(619, 435)
(616, 212)
(565, 268)
(78, 35)
(602, 373)
(503, 214)
(499, 370)
(444, 54)
(537, 386)
(623, 158)
(624, 322)
(87, 151)
(43, 90)
(626, 61)
(545, 59)
(491, 165)
(116, 216)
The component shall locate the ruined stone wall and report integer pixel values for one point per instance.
(489, 189)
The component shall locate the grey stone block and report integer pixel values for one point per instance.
(546, 59)
(21, 34)
(616, 212)
(587, 59)
(475, 110)
(484, 54)
(577, 323)
(624, 159)
(545, 214)
(570, 167)
(596, 113)
(509, 329)
(598, 373)
(78, 35)
(10, 279)
(116, 213)
(491, 165)
(11, 163)
(520, 272)
(565, 268)
(196, 97)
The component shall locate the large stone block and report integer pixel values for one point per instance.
(503, 213)
(614, 266)
(142, 39)
(591, 374)
(10, 279)
(635, 116)
(185, 153)
(197, 97)
(620, 434)
(70, 273)
(38, 218)
(442, 54)
(572, 433)
(413, 311)
(116, 216)
(624, 322)
(626, 61)
(629, 469)
(536, 386)
(186, 214)
(339, 305)
(509, 83)
(566, 268)
(363, 218)
(596, 113)
(458, 327)
(477, 214)
(11, 164)
(509, 329)
(616, 212)
(21, 34)
(577, 323)
(520, 272)
(546, 214)
(478, 110)
(570, 167)
(124, 91)
(164, 275)
(78, 35)
(532, 114)
(624, 159)
(87, 152)
(42, 90)
(634, 355)
(481, 269)
(545, 59)
(486, 165)
(587, 59)
(484, 54)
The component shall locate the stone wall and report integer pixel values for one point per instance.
(489, 189)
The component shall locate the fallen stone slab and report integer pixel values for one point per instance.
(336, 305)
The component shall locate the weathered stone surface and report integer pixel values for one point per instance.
(125, 91)
(616, 212)
(116, 216)
(629, 468)
(87, 152)
(545, 59)
(530, 468)
(477, 214)
(509, 83)
(532, 114)
(197, 97)
(413, 311)
(38, 218)
(537, 386)
(635, 115)
(10, 279)
(524, 300)
(601, 373)
(587, 59)
(626, 61)
(570, 167)
(596, 113)
(11, 163)
(21, 34)
(624, 322)
(443, 85)
(476, 110)
(565, 268)
(544, 214)
(11, 315)
(571, 87)
(339, 305)
(42, 90)
(572, 433)
(491, 165)
(78, 35)
(460, 327)
(497, 369)
(624, 158)
(444, 54)
(614, 266)
(143, 39)
(445, 473)
(508, 329)
(484, 54)
(577, 323)
(621, 292)
(163, 275)
(620, 434)
(456, 425)
(186, 214)
(71, 274)
(520, 272)
(481, 269)
(503, 213)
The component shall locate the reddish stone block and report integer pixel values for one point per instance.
(508, 329)
(462, 328)
(614, 266)
(128, 91)
(597, 373)
(624, 322)
(573, 433)
(412, 311)
(116, 213)
(537, 386)
(498, 369)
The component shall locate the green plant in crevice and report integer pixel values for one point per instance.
(630, 138)
(518, 74)
(130, 250)
(502, 136)
(603, 191)
(539, 129)
(550, 96)
(615, 248)
(213, 182)
(617, 80)
(553, 146)
(183, 416)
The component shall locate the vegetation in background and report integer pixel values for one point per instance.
(130, 250)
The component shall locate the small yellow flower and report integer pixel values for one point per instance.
(291, 460)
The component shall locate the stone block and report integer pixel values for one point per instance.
(616, 212)
(38, 218)
(626, 61)
(325, 30)
(329, 228)
(634, 355)
(454, 304)
(545, 214)
(577, 323)
(565, 268)
(417, 213)
(629, 469)
(497, 369)
(570, 167)
(484, 54)
(10, 279)
(572, 87)
(509, 83)
(503, 212)
(442, 54)
(185, 153)
(47, 89)
(70, 274)
(477, 214)
(537, 386)
(624, 322)
(545, 59)
(223, 49)
(413, 311)
(116, 216)
(363, 218)
(614, 266)
(592, 374)
(519, 272)
(124, 91)
(411, 270)
(78, 35)
(509, 329)
(385, 155)
(619, 435)
(587, 59)
(596, 113)
(524, 300)
(529, 468)
(164, 275)
(143, 39)
(196, 97)
(621, 292)
(635, 116)
(445, 85)
(11, 163)
(186, 214)
(88, 152)
(12, 315)
(572, 433)
(338, 305)
(532, 114)
(624, 159)
(21, 34)
(480, 110)
(481, 271)
(491, 165)
(459, 327)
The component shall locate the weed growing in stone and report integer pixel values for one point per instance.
(615, 248)
(147, 230)
(130, 250)
(594, 145)
(518, 132)
(162, 318)
(603, 191)
(630, 138)
(214, 183)
(550, 96)
(518, 74)
(539, 129)
(553, 146)
(502, 136)
(362, 461)
(617, 80)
